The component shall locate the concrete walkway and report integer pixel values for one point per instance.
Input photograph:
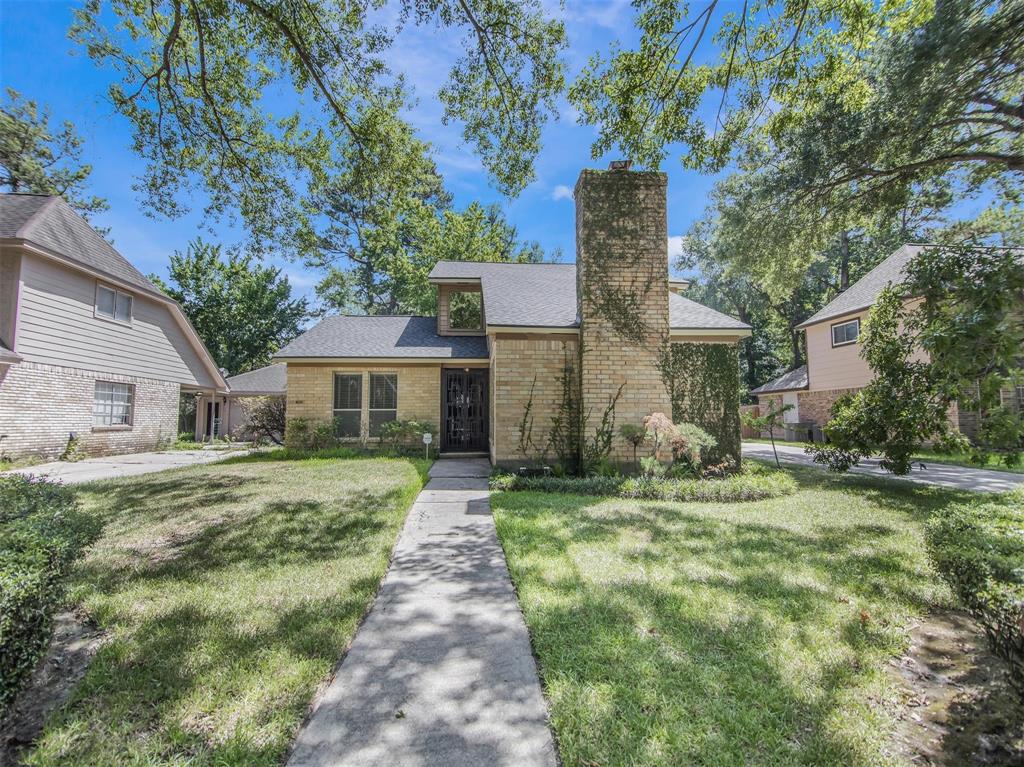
(132, 464)
(441, 671)
(940, 474)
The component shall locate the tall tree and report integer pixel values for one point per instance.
(36, 158)
(927, 84)
(385, 218)
(249, 99)
(243, 311)
(749, 266)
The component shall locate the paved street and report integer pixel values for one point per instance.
(941, 474)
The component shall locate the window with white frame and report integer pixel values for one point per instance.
(113, 304)
(112, 404)
(383, 400)
(348, 403)
(845, 333)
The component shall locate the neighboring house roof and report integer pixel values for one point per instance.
(272, 379)
(50, 226)
(792, 381)
(544, 295)
(7, 356)
(865, 291)
(385, 336)
(50, 222)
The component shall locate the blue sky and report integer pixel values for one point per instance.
(38, 60)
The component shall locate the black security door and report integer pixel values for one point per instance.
(464, 411)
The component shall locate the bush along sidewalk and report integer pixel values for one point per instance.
(754, 483)
(979, 551)
(41, 533)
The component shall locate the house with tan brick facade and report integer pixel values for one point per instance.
(515, 349)
(91, 352)
(834, 365)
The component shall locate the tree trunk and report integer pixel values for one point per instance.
(747, 346)
(844, 261)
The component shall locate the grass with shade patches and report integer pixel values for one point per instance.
(721, 634)
(229, 592)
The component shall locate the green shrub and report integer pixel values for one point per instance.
(754, 483)
(41, 533)
(296, 434)
(979, 551)
(399, 434)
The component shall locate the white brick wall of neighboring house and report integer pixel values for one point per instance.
(40, 405)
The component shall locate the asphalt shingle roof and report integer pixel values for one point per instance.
(544, 295)
(865, 291)
(383, 336)
(272, 379)
(6, 355)
(49, 221)
(791, 381)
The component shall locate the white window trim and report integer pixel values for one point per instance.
(117, 294)
(832, 332)
(131, 408)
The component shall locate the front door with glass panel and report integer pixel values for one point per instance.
(464, 411)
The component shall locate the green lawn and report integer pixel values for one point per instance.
(229, 593)
(723, 634)
(927, 456)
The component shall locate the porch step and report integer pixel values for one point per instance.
(462, 468)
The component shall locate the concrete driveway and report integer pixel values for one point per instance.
(132, 464)
(939, 474)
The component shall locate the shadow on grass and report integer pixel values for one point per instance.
(229, 593)
(147, 691)
(720, 633)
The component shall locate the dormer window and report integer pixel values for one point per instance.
(465, 311)
(113, 304)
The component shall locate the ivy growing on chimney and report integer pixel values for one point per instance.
(614, 215)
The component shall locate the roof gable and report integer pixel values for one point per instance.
(865, 291)
(50, 222)
(58, 232)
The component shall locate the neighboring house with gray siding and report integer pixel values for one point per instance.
(89, 348)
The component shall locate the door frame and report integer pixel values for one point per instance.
(486, 374)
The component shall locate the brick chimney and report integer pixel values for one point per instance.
(622, 291)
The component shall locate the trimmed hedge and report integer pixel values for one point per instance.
(41, 533)
(979, 551)
(754, 483)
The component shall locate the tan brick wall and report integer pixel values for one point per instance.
(812, 406)
(516, 363)
(41, 404)
(622, 253)
(311, 391)
(444, 297)
(815, 406)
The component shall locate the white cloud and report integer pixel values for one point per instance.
(561, 192)
(675, 247)
(300, 280)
